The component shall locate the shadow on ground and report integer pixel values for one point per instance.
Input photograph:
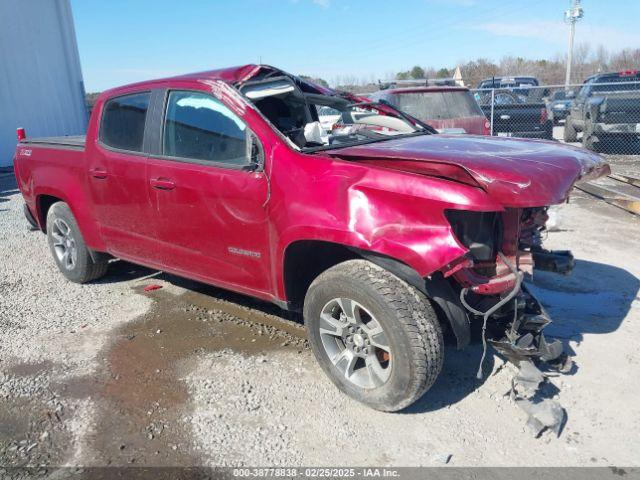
(594, 299)
(8, 187)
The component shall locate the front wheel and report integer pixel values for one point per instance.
(376, 337)
(68, 248)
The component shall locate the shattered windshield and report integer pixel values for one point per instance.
(313, 121)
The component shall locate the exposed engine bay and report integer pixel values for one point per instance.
(504, 248)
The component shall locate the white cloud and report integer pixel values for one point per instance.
(557, 33)
(322, 3)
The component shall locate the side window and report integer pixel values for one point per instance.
(200, 127)
(584, 91)
(123, 121)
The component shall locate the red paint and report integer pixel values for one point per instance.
(152, 287)
(232, 228)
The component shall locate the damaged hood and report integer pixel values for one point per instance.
(515, 172)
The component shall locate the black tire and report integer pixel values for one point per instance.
(78, 267)
(409, 323)
(570, 134)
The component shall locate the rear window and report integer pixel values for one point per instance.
(616, 83)
(123, 120)
(437, 105)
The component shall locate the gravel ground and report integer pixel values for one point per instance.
(107, 374)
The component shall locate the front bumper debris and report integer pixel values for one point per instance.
(557, 261)
(523, 339)
(524, 344)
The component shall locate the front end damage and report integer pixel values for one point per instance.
(504, 248)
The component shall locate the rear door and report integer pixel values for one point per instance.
(117, 165)
(208, 201)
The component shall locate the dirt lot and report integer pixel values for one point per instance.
(108, 374)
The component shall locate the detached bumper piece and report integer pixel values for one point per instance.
(524, 340)
(525, 345)
(558, 261)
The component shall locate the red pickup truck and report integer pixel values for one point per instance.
(382, 237)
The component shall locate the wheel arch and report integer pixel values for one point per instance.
(304, 260)
(46, 197)
(43, 204)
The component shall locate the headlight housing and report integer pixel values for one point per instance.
(480, 232)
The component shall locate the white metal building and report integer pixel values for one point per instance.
(41, 87)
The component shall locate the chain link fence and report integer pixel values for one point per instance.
(603, 117)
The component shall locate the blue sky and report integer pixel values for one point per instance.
(123, 41)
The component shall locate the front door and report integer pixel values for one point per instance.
(210, 215)
(117, 172)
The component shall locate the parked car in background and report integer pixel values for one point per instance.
(520, 82)
(526, 87)
(224, 177)
(509, 82)
(606, 107)
(559, 105)
(447, 109)
(514, 115)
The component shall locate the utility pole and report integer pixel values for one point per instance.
(572, 16)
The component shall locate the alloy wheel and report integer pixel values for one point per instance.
(355, 343)
(64, 244)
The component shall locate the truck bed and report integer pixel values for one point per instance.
(75, 142)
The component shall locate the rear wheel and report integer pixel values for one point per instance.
(376, 337)
(68, 248)
(570, 134)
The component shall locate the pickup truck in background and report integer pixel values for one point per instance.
(516, 113)
(382, 238)
(606, 107)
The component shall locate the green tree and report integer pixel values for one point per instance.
(417, 72)
(443, 73)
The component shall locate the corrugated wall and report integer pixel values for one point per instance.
(41, 85)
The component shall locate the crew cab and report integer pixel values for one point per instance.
(606, 107)
(383, 237)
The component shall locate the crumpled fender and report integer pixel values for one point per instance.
(395, 214)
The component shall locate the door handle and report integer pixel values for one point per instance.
(162, 183)
(99, 173)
